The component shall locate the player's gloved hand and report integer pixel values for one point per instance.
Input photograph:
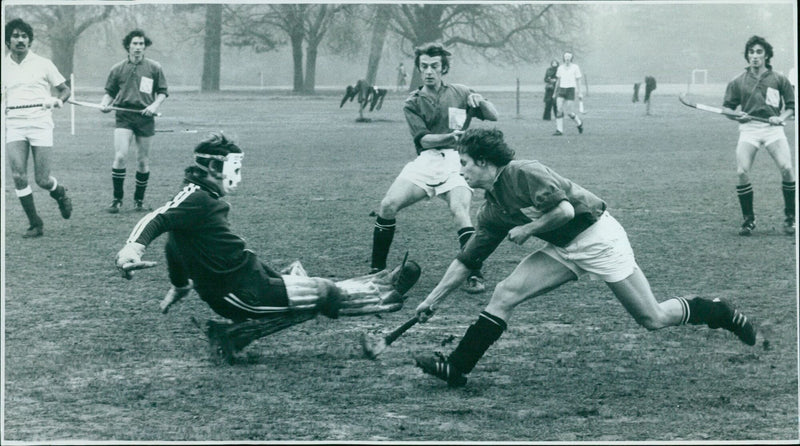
(129, 259)
(424, 311)
(52, 102)
(174, 295)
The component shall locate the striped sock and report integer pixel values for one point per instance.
(382, 236)
(141, 185)
(478, 338)
(464, 234)
(118, 181)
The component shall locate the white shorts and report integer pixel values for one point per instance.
(37, 132)
(602, 250)
(758, 133)
(435, 171)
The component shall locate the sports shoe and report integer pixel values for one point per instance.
(748, 226)
(34, 231)
(789, 225)
(405, 276)
(438, 366)
(580, 128)
(724, 315)
(475, 284)
(116, 204)
(557, 133)
(220, 345)
(138, 206)
(65, 205)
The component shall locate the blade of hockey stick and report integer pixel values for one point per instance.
(372, 348)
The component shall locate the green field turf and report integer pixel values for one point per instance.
(88, 356)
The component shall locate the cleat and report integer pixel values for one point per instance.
(580, 128)
(438, 366)
(726, 316)
(220, 345)
(789, 225)
(34, 232)
(138, 206)
(405, 276)
(557, 133)
(475, 284)
(748, 226)
(114, 207)
(65, 205)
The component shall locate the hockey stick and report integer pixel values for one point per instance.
(708, 108)
(100, 107)
(372, 348)
(18, 107)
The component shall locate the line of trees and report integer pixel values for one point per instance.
(497, 33)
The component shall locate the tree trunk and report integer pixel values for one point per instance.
(212, 48)
(63, 56)
(311, 69)
(379, 30)
(297, 61)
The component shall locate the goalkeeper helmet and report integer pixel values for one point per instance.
(221, 159)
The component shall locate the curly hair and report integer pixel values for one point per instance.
(20, 25)
(487, 145)
(126, 41)
(433, 49)
(758, 40)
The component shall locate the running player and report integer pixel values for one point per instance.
(435, 114)
(203, 254)
(28, 79)
(138, 83)
(527, 199)
(761, 92)
(568, 86)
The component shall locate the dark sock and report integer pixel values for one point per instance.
(118, 180)
(141, 185)
(478, 338)
(382, 237)
(703, 311)
(464, 234)
(30, 210)
(745, 194)
(58, 193)
(789, 188)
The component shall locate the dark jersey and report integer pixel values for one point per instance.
(762, 96)
(136, 85)
(430, 113)
(523, 191)
(208, 251)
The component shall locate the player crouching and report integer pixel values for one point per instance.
(203, 254)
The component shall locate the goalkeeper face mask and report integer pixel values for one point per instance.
(230, 175)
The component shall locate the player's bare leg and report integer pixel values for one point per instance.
(745, 154)
(17, 156)
(781, 154)
(41, 167)
(401, 194)
(122, 145)
(559, 116)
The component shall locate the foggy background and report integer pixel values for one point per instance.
(614, 43)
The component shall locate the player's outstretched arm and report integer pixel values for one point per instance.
(129, 259)
(455, 275)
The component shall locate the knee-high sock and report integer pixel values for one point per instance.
(141, 185)
(382, 237)
(478, 338)
(26, 199)
(789, 188)
(745, 194)
(118, 181)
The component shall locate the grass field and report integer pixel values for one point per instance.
(88, 356)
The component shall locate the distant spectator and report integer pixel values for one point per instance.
(649, 86)
(549, 89)
(401, 76)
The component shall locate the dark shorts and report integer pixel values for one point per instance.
(140, 124)
(567, 93)
(260, 293)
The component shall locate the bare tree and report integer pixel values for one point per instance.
(505, 33)
(60, 27)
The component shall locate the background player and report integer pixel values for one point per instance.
(762, 93)
(568, 86)
(28, 79)
(549, 90)
(434, 113)
(204, 254)
(138, 83)
(527, 199)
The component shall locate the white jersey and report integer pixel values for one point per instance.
(568, 75)
(29, 82)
